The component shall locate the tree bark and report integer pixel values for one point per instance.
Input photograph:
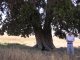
(43, 40)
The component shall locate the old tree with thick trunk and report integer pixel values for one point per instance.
(23, 17)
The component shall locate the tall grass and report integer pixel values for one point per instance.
(20, 52)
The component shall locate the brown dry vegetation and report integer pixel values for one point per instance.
(17, 48)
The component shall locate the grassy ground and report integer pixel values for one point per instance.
(17, 48)
(22, 52)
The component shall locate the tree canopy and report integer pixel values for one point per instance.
(24, 14)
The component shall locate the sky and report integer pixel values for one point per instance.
(74, 2)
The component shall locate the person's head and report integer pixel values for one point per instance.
(70, 33)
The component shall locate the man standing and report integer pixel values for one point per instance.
(70, 38)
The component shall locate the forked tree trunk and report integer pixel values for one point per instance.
(43, 40)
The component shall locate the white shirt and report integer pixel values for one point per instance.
(70, 38)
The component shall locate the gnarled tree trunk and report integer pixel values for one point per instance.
(43, 39)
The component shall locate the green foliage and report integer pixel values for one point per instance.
(64, 15)
(22, 21)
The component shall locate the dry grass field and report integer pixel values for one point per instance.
(31, 41)
(19, 48)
